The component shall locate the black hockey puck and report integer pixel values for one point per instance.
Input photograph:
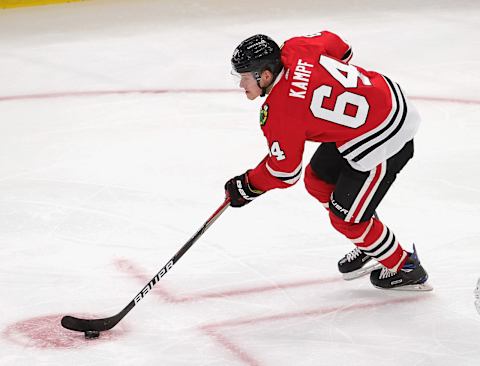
(92, 334)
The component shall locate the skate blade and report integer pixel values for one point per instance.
(361, 272)
(417, 287)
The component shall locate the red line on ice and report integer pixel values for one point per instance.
(214, 330)
(309, 313)
(96, 93)
(130, 268)
(241, 354)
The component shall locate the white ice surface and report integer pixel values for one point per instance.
(98, 192)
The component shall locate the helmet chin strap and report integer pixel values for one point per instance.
(258, 77)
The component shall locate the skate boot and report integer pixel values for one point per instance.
(411, 277)
(356, 264)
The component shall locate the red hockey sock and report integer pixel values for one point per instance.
(375, 239)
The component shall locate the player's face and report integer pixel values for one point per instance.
(249, 84)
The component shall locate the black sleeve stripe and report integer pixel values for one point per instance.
(347, 54)
(293, 177)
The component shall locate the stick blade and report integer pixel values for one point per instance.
(85, 325)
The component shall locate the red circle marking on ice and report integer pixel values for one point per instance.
(47, 332)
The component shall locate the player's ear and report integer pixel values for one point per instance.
(267, 77)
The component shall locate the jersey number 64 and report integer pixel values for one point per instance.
(348, 76)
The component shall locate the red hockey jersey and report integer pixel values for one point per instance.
(320, 97)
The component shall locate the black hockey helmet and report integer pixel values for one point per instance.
(256, 54)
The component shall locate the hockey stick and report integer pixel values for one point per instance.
(92, 327)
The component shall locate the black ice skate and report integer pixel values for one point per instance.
(411, 277)
(356, 264)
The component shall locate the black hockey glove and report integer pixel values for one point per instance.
(240, 192)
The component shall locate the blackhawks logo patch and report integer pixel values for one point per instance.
(263, 115)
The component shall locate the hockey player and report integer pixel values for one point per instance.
(365, 125)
